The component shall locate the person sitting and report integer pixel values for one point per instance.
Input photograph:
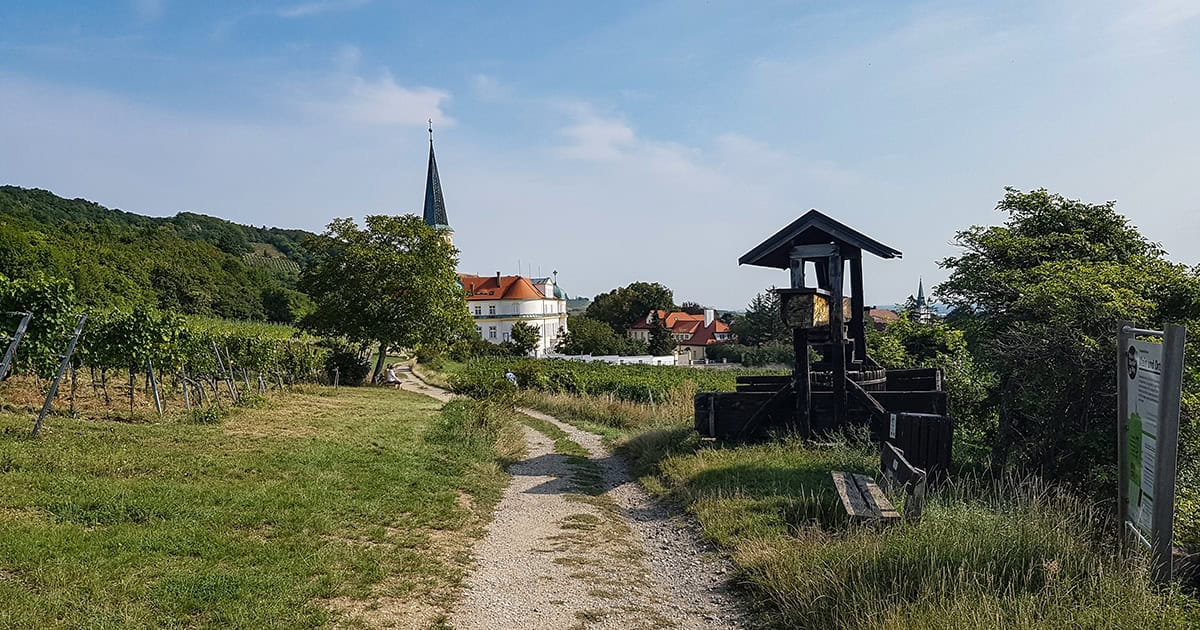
(390, 378)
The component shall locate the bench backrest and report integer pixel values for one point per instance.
(898, 472)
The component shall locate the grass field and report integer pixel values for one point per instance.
(353, 507)
(1014, 554)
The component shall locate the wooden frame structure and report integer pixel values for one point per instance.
(845, 386)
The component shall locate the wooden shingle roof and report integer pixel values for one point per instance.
(814, 228)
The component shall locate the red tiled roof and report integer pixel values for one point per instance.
(670, 320)
(882, 314)
(499, 288)
(706, 335)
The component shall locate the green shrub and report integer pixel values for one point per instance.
(638, 383)
(352, 368)
(206, 415)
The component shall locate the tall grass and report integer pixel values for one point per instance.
(1008, 555)
(987, 554)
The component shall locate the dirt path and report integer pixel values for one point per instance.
(577, 543)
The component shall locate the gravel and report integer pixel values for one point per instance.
(554, 557)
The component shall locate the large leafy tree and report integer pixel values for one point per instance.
(390, 283)
(1040, 298)
(623, 306)
(590, 336)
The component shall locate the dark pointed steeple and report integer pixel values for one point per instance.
(920, 293)
(435, 205)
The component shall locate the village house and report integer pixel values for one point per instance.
(693, 333)
(496, 303)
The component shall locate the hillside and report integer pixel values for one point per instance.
(190, 262)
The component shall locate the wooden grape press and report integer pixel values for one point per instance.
(843, 386)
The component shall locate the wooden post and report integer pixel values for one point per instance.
(802, 382)
(62, 367)
(224, 375)
(14, 344)
(262, 387)
(797, 271)
(858, 329)
(337, 373)
(187, 398)
(132, 389)
(1122, 428)
(836, 339)
(72, 389)
(154, 387)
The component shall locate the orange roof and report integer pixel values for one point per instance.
(499, 288)
(706, 335)
(671, 320)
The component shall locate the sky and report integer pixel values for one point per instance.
(614, 141)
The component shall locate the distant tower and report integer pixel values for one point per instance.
(435, 205)
(923, 312)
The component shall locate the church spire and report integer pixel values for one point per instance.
(435, 205)
(920, 292)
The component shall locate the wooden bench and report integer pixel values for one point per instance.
(864, 499)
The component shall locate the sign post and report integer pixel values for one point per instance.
(1149, 382)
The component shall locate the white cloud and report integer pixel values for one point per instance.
(309, 9)
(355, 99)
(596, 138)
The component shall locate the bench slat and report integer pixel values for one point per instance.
(852, 499)
(876, 499)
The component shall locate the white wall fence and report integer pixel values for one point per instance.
(644, 359)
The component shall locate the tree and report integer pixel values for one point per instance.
(622, 307)
(1040, 297)
(763, 323)
(391, 283)
(692, 308)
(524, 339)
(589, 336)
(662, 342)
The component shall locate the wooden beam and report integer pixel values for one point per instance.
(858, 329)
(821, 250)
(802, 382)
(836, 337)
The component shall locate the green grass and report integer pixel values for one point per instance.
(319, 506)
(1006, 555)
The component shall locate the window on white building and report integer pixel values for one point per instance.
(479, 330)
(491, 332)
(506, 336)
(492, 309)
(478, 310)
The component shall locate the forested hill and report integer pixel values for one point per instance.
(189, 262)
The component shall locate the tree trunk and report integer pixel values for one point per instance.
(379, 362)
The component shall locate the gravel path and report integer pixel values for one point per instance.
(605, 554)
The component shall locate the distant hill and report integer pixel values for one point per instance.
(189, 262)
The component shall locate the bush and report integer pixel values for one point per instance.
(637, 383)
(475, 347)
(352, 369)
(431, 356)
(752, 356)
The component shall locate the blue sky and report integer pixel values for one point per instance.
(614, 141)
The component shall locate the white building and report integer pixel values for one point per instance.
(498, 302)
